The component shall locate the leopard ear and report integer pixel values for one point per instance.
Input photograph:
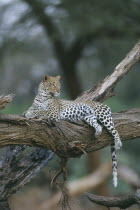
(45, 78)
(58, 77)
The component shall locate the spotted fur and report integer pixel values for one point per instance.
(95, 114)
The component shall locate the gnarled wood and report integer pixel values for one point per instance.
(16, 170)
(64, 138)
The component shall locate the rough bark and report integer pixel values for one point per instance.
(120, 202)
(64, 138)
(15, 170)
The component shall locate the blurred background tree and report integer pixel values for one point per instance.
(80, 40)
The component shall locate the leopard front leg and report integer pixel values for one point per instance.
(92, 121)
(42, 115)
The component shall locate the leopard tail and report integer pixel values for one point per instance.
(114, 164)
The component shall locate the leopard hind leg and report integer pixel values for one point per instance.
(92, 121)
(104, 115)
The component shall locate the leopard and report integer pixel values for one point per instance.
(96, 114)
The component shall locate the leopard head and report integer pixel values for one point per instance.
(50, 85)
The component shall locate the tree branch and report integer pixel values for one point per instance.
(120, 202)
(104, 89)
(64, 138)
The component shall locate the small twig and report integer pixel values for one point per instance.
(83, 150)
(120, 202)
